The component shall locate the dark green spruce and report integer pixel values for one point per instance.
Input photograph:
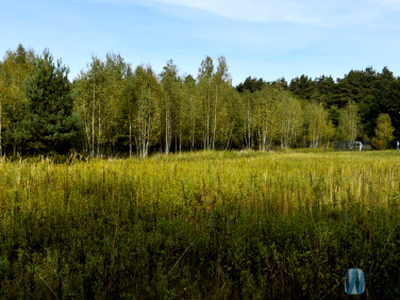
(49, 124)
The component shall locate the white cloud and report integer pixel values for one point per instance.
(392, 4)
(256, 11)
(328, 13)
(389, 2)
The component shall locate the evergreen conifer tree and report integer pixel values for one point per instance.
(50, 125)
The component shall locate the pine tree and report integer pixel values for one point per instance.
(49, 124)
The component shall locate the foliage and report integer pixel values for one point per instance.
(13, 70)
(264, 122)
(200, 225)
(99, 95)
(291, 120)
(251, 84)
(170, 103)
(384, 130)
(302, 87)
(49, 124)
(349, 123)
(319, 129)
(148, 93)
(122, 112)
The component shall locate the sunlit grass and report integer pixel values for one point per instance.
(200, 225)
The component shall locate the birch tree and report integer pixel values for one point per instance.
(266, 119)
(248, 99)
(3, 93)
(190, 115)
(291, 119)
(222, 82)
(233, 130)
(127, 110)
(148, 93)
(99, 92)
(349, 122)
(117, 72)
(171, 85)
(15, 68)
(206, 72)
(384, 130)
(319, 128)
(90, 94)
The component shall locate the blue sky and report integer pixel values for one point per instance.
(259, 38)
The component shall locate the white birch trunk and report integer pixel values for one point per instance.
(93, 119)
(130, 136)
(1, 118)
(215, 119)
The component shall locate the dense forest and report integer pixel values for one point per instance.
(111, 108)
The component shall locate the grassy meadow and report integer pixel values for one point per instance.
(204, 225)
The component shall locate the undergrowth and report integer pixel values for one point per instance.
(206, 225)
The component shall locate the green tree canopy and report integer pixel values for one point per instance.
(384, 129)
(303, 87)
(13, 71)
(252, 85)
(49, 124)
(349, 122)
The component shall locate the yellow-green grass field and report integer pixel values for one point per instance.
(202, 225)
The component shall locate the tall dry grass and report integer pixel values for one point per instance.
(200, 225)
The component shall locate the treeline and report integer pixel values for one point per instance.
(111, 108)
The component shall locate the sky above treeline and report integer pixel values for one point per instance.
(259, 38)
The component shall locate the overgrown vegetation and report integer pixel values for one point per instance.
(112, 108)
(200, 225)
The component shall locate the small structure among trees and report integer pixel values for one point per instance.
(351, 145)
(111, 108)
